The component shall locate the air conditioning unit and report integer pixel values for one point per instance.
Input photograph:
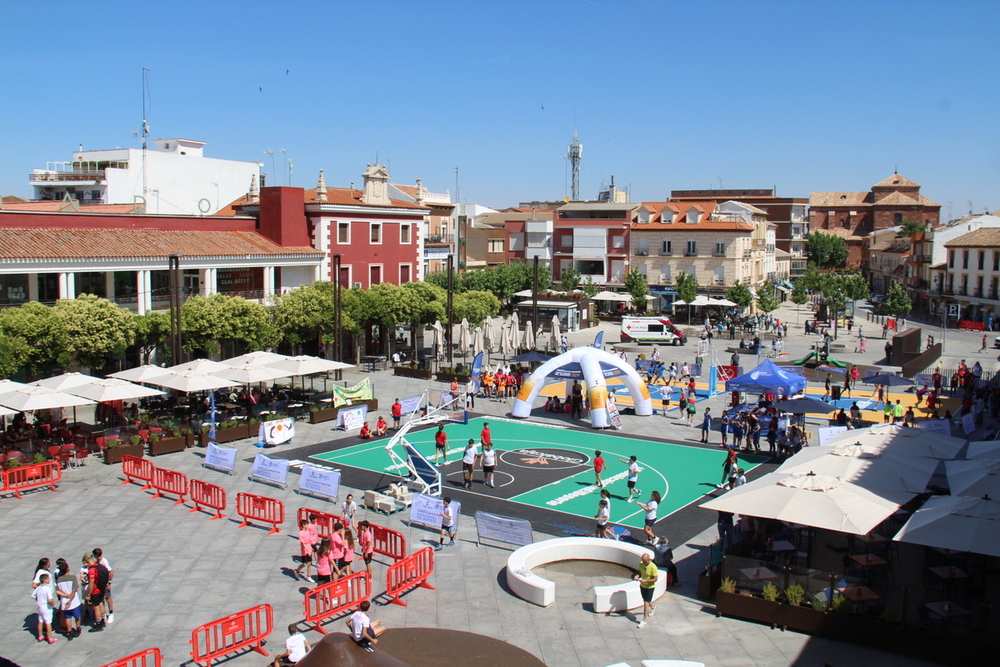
(356, 285)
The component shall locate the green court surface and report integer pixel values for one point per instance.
(552, 468)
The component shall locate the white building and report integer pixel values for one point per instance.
(179, 179)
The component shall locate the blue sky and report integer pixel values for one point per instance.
(665, 95)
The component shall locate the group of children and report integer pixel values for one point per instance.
(381, 428)
(502, 383)
(333, 556)
(67, 596)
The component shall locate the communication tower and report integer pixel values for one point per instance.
(574, 154)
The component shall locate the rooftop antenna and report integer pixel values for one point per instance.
(145, 130)
(458, 199)
(574, 154)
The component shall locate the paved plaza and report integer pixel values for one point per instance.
(176, 570)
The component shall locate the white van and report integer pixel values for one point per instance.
(651, 330)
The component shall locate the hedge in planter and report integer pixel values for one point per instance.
(113, 454)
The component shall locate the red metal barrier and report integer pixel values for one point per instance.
(409, 573)
(389, 542)
(260, 508)
(209, 495)
(336, 597)
(169, 481)
(32, 477)
(135, 468)
(244, 629)
(151, 657)
(324, 520)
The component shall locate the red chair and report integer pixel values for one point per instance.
(81, 455)
(144, 436)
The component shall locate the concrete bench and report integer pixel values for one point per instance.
(540, 591)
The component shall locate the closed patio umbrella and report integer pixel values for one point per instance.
(489, 334)
(477, 341)
(556, 333)
(506, 348)
(528, 337)
(437, 341)
(464, 337)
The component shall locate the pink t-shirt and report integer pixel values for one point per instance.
(367, 542)
(323, 565)
(307, 539)
(337, 547)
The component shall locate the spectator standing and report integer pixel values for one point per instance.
(349, 508)
(440, 446)
(109, 603)
(45, 604)
(68, 594)
(469, 459)
(97, 584)
(602, 516)
(706, 424)
(489, 462)
(647, 577)
(397, 414)
(366, 540)
(307, 544)
(650, 509)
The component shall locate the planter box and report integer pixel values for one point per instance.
(114, 454)
(708, 584)
(747, 607)
(167, 446)
(417, 373)
(323, 415)
(802, 619)
(451, 377)
(240, 432)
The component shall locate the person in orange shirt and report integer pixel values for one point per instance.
(366, 431)
(381, 426)
(501, 381)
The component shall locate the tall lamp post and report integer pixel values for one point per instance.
(451, 309)
(534, 296)
(338, 330)
(174, 275)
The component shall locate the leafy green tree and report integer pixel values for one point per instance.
(589, 288)
(799, 295)
(96, 331)
(909, 228)
(307, 313)
(387, 305)
(429, 306)
(14, 355)
(827, 250)
(635, 284)
(151, 331)
(502, 280)
(570, 279)
(766, 301)
(38, 326)
(812, 279)
(855, 286)
(740, 295)
(897, 302)
(475, 306)
(208, 323)
(686, 286)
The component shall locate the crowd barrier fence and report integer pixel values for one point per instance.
(211, 496)
(151, 657)
(244, 629)
(170, 481)
(333, 599)
(409, 573)
(136, 468)
(37, 475)
(260, 508)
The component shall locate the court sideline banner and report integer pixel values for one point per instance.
(362, 391)
(349, 419)
(426, 510)
(503, 529)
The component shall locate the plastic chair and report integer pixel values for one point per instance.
(81, 455)
(144, 436)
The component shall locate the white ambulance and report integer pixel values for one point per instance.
(651, 330)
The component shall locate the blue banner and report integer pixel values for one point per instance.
(211, 409)
(599, 340)
(477, 372)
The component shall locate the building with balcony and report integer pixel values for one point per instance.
(886, 259)
(593, 238)
(173, 178)
(972, 274)
(440, 228)
(855, 215)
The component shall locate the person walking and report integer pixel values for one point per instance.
(826, 388)
(729, 467)
(485, 436)
(366, 540)
(706, 424)
(602, 516)
(440, 446)
(650, 509)
(489, 463)
(647, 577)
(307, 545)
(983, 347)
(847, 385)
(598, 469)
(862, 344)
(447, 524)
(633, 476)
(692, 408)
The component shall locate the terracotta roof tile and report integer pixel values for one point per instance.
(905, 199)
(840, 199)
(59, 205)
(18, 243)
(352, 197)
(986, 237)
(896, 181)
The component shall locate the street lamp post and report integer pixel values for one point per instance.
(174, 276)
(337, 318)
(451, 309)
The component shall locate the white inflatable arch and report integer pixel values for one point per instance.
(591, 365)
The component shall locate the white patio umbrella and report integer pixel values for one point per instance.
(7, 412)
(977, 478)
(464, 337)
(556, 333)
(260, 357)
(962, 523)
(489, 334)
(140, 373)
(27, 399)
(307, 365)
(720, 302)
(477, 341)
(982, 449)
(814, 500)
(516, 323)
(188, 381)
(885, 469)
(528, 337)
(506, 348)
(249, 373)
(437, 341)
(912, 441)
(112, 389)
(64, 381)
(205, 366)
(10, 385)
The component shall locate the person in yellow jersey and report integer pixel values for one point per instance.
(648, 574)
(897, 412)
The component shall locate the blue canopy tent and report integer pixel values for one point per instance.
(768, 378)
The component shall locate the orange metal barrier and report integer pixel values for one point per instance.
(324, 520)
(336, 597)
(169, 481)
(137, 469)
(389, 542)
(260, 508)
(209, 495)
(151, 657)
(409, 573)
(31, 477)
(244, 629)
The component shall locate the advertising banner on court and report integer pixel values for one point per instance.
(827, 433)
(220, 458)
(352, 418)
(503, 529)
(616, 419)
(362, 391)
(426, 510)
(276, 431)
(936, 426)
(410, 404)
(266, 469)
(317, 481)
(599, 340)
(477, 372)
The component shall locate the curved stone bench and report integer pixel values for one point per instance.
(614, 597)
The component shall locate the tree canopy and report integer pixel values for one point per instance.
(151, 331)
(589, 288)
(897, 302)
(211, 321)
(686, 285)
(635, 284)
(502, 280)
(909, 228)
(766, 301)
(40, 328)
(570, 279)
(827, 250)
(94, 331)
(740, 295)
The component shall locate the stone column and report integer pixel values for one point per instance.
(268, 281)
(32, 287)
(144, 288)
(109, 285)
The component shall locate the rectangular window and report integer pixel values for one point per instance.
(692, 249)
(404, 235)
(404, 273)
(897, 219)
(982, 258)
(965, 259)
(617, 241)
(951, 259)
(996, 260)
(566, 240)
(720, 248)
(641, 247)
(376, 234)
(665, 275)
(375, 275)
(495, 245)
(343, 233)
(667, 249)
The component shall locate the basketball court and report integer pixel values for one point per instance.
(551, 468)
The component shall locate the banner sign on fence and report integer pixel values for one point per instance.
(323, 482)
(352, 418)
(266, 469)
(427, 510)
(220, 458)
(362, 391)
(968, 423)
(276, 431)
(410, 404)
(503, 529)
(936, 426)
(828, 432)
